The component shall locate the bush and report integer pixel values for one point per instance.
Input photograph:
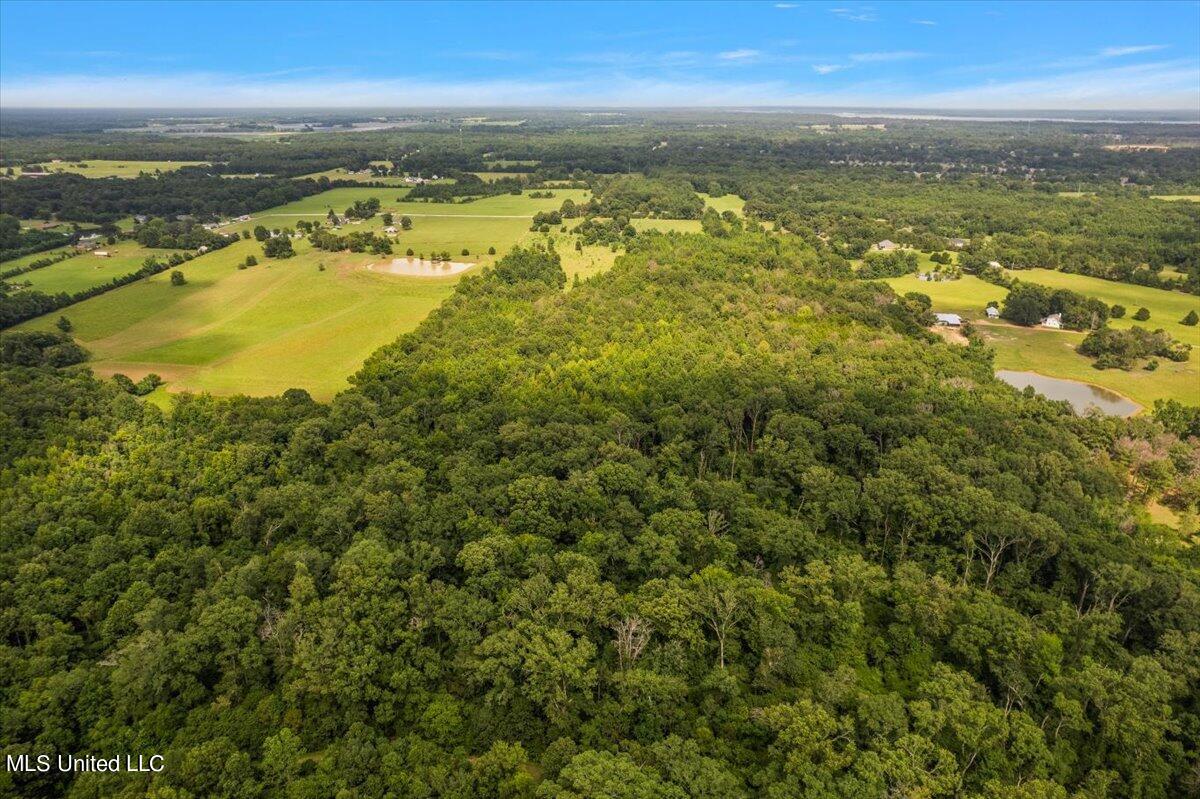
(177, 278)
(491, 250)
(278, 247)
(1117, 311)
(1191, 319)
(63, 324)
(1142, 314)
(1122, 349)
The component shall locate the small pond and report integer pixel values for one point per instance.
(1081, 395)
(419, 267)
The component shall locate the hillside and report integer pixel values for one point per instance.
(719, 522)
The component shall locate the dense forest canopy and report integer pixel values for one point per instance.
(718, 523)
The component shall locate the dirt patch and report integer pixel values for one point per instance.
(420, 267)
(951, 334)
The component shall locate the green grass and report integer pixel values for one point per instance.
(490, 176)
(26, 260)
(342, 174)
(1187, 198)
(284, 324)
(87, 269)
(666, 225)
(729, 202)
(1052, 352)
(99, 168)
(1166, 307)
(967, 296)
(259, 331)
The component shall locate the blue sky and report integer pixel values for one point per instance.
(1075, 55)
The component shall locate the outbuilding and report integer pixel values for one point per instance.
(1054, 320)
(992, 312)
(948, 319)
(886, 245)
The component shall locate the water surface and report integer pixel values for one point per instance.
(1081, 395)
(419, 267)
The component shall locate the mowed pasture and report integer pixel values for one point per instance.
(358, 177)
(259, 331)
(727, 202)
(288, 323)
(1052, 352)
(26, 260)
(100, 168)
(291, 323)
(87, 269)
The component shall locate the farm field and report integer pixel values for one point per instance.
(25, 260)
(1052, 352)
(967, 296)
(727, 202)
(99, 168)
(358, 177)
(1166, 307)
(490, 176)
(1187, 198)
(258, 331)
(87, 269)
(285, 324)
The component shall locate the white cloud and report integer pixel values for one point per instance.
(923, 22)
(739, 55)
(787, 5)
(859, 14)
(1114, 52)
(895, 55)
(1164, 85)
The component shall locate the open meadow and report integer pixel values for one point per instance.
(87, 269)
(100, 168)
(1052, 352)
(289, 323)
(262, 330)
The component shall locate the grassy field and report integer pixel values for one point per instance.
(490, 176)
(98, 168)
(25, 260)
(728, 202)
(1166, 307)
(262, 330)
(967, 296)
(1187, 198)
(357, 177)
(284, 324)
(1052, 352)
(87, 269)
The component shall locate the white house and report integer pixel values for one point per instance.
(948, 319)
(992, 312)
(203, 248)
(994, 263)
(957, 244)
(1054, 320)
(100, 253)
(390, 229)
(885, 245)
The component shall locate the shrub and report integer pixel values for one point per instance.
(1142, 314)
(177, 278)
(1191, 319)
